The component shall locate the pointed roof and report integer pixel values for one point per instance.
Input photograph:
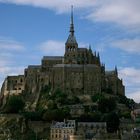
(71, 22)
(116, 70)
(71, 38)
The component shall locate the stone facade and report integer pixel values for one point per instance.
(13, 85)
(91, 128)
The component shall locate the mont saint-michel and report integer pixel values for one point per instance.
(69, 97)
(79, 72)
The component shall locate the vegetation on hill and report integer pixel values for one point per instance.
(15, 104)
(101, 108)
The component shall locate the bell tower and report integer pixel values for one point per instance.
(71, 44)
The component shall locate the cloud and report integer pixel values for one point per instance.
(10, 49)
(135, 95)
(121, 12)
(60, 6)
(10, 45)
(56, 48)
(129, 45)
(52, 47)
(131, 77)
(7, 70)
(11, 70)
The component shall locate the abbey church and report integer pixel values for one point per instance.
(79, 71)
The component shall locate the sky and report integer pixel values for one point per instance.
(31, 29)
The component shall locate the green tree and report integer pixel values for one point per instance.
(113, 122)
(125, 114)
(15, 104)
(56, 114)
(51, 105)
(91, 117)
(106, 105)
(97, 97)
(73, 100)
(34, 116)
(128, 102)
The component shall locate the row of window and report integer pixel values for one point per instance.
(16, 81)
(62, 131)
(59, 136)
(93, 126)
(17, 88)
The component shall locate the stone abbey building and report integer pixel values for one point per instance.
(79, 71)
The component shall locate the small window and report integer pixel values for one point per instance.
(21, 80)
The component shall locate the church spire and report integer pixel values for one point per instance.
(71, 22)
(116, 70)
(71, 43)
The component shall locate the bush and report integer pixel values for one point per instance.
(106, 105)
(73, 100)
(126, 115)
(15, 104)
(113, 122)
(97, 97)
(92, 117)
(128, 102)
(33, 116)
(56, 114)
(46, 89)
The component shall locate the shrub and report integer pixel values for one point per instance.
(106, 105)
(113, 122)
(15, 104)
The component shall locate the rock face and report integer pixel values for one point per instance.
(79, 72)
